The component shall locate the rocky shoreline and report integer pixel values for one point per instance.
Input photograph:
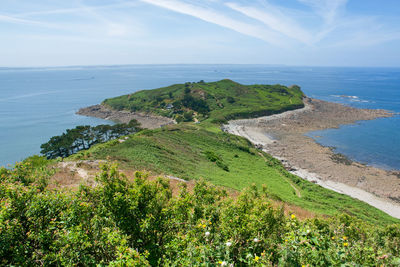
(282, 136)
(148, 121)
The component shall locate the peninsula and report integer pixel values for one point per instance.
(246, 111)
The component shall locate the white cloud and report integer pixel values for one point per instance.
(327, 9)
(276, 20)
(217, 18)
(16, 20)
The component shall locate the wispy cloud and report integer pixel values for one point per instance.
(276, 20)
(95, 21)
(327, 9)
(274, 23)
(302, 29)
(218, 18)
(16, 20)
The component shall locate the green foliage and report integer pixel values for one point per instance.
(217, 159)
(217, 101)
(138, 222)
(191, 152)
(83, 137)
(188, 116)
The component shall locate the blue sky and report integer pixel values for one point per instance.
(290, 32)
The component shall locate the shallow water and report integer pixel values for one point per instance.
(37, 103)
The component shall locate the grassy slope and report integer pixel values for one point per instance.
(226, 99)
(179, 150)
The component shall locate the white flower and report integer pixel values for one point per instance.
(256, 240)
(224, 263)
(207, 233)
(228, 244)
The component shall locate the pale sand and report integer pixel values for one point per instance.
(282, 136)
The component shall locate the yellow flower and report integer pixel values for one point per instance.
(293, 216)
(256, 258)
(345, 244)
(333, 238)
(204, 226)
(345, 238)
(219, 262)
(303, 265)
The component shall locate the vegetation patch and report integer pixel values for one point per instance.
(217, 159)
(122, 222)
(84, 137)
(216, 101)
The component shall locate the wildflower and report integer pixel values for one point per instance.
(256, 258)
(204, 226)
(228, 244)
(224, 263)
(256, 240)
(293, 216)
(333, 238)
(263, 254)
(345, 238)
(345, 244)
(207, 233)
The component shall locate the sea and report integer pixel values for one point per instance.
(38, 103)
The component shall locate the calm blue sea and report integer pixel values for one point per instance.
(37, 103)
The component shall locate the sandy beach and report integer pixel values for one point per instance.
(282, 136)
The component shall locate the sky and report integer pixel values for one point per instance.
(283, 32)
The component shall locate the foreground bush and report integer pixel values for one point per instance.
(138, 222)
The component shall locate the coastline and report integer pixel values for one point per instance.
(148, 121)
(283, 136)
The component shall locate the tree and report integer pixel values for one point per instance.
(83, 137)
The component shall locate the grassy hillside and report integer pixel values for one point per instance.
(217, 101)
(139, 222)
(190, 151)
(145, 221)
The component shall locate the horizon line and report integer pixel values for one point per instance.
(188, 64)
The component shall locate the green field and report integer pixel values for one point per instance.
(181, 150)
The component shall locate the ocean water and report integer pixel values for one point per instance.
(37, 103)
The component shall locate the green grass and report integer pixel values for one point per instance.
(216, 101)
(181, 150)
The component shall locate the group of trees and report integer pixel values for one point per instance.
(83, 137)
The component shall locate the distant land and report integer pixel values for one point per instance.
(214, 102)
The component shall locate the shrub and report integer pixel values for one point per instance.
(138, 222)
